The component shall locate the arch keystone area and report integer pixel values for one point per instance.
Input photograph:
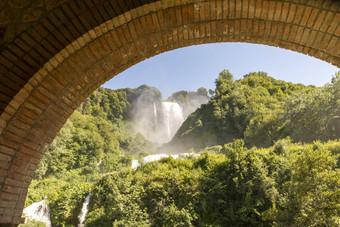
(54, 54)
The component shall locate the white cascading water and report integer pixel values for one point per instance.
(39, 211)
(84, 210)
(158, 122)
(173, 118)
(155, 113)
(98, 165)
(134, 164)
(156, 157)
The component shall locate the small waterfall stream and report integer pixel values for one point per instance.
(84, 211)
(39, 211)
(98, 164)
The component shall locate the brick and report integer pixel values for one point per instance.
(7, 150)
(291, 13)
(9, 204)
(8, 143)
(29, 113)
(5, 219)
(4, 165)
(319, 20)
(2, 123)
(326, 22)
(20, 161)
(16, 176)
(5, 157)
(18, 220)
(3, 172)
(25, 184)
(10, 189)
(31, 145)
(10, 196)
(19, 169)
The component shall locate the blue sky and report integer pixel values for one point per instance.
(198, 66)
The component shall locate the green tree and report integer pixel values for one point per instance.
(237, 191)
(311, 197)
(116, 201)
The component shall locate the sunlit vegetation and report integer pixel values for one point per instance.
(261, 110)
(270, 156)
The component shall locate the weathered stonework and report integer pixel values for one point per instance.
(37, 3)
(50, 4)
(2, 3)
(52, 60)
(18, 3)
(31, 15)
(9, 15)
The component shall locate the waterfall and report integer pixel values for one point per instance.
(156, 157)
(84, 211)
(98, 165)
(173, 118)
(157, 122)
(134, 164)
(155, 113)
(39, 211)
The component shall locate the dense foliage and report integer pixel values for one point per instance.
(262, 110)
(270, 156)
(287, 184)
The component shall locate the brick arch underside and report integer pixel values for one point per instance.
(35, 115)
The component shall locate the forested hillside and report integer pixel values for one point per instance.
(261, 110)
(269, 156)
(100, 129)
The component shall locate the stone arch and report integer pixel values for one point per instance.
(52, 84)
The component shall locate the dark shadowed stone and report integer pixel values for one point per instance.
(21, 28)
(9, 15)
(2, 32)
(31, 15)
(9, 34)
(37, 3)
(18, 3)
(2, 3)
(50, 4)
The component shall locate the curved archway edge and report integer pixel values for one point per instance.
(35, 114)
